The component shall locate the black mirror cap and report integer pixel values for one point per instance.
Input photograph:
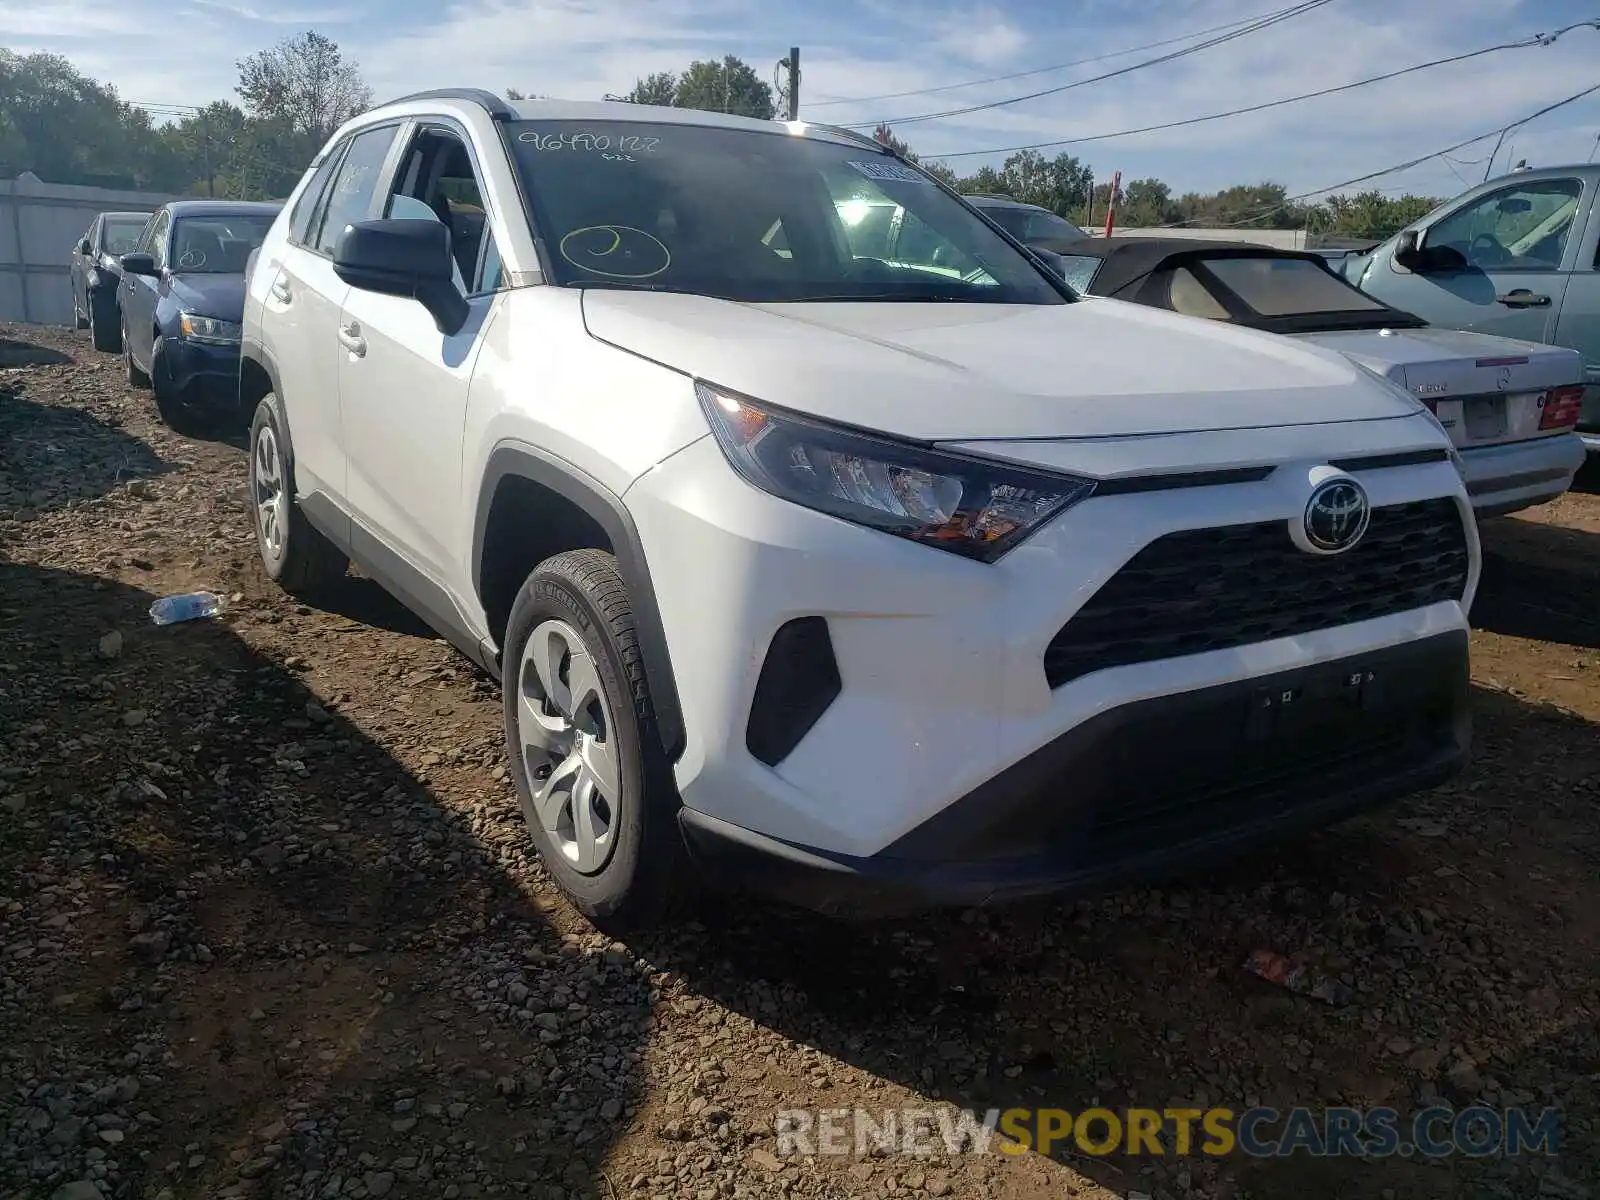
(403, 257)
(1425, 259)
(84, 247)
(393, 256)
(138, 264)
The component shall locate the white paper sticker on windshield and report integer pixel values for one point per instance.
(890, 170)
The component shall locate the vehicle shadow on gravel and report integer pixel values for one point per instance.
(1466, 916)
(1540, 581)
(37, 439)
(244, 952)
(15, 352)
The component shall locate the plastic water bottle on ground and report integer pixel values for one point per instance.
(191, 606)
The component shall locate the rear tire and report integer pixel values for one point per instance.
(294, 553)
(586, 758)
(105, 330)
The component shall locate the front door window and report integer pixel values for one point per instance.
(1521, 227)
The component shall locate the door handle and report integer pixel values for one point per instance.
(350, 338)
(281, 292)
(1523, 298)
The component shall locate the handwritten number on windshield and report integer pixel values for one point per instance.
(624, 144)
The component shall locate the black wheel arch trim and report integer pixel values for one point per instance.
(607, 510)
(251, 350)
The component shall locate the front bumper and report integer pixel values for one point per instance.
(1144, 789)
(941, 684)
(1502, 479)
(200, 374)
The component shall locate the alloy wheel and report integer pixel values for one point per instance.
(268, 492)
(568, 746)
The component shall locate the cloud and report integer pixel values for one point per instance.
(184, 52)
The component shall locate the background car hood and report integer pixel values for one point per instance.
(220, 296)
(942, 371)
(1435, 363)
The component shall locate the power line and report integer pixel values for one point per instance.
(1405, 166)
(1273, 19)
(1541, 39)
(951, 87)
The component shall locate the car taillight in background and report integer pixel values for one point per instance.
(1561, 407)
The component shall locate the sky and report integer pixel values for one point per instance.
(183, 52)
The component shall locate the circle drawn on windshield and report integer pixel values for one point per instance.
(192, 260)
(616, 252)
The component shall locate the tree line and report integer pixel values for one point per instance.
(1066, 186)
(68, 128)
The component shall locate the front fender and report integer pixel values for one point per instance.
(608, 511)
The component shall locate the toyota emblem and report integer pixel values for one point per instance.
(1336, 516)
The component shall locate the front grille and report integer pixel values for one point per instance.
(1213, 589)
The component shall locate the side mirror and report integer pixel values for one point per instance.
(1406, 251)
(400, 257)
(84, 247)
(138, 264)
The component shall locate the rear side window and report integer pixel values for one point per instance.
(305, 208)
(350, 197)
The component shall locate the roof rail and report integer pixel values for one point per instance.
(497, 108)
(854, 135)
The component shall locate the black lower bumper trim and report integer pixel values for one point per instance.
(1145, 789)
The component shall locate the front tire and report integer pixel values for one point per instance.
(294, 553)
(586, 758)
(169, 403)
(136, 377)
(79, 320)
(105, 331)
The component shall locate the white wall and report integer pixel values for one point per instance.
(39, 225)
(1279, 239)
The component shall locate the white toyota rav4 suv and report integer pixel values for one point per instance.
(877, 582)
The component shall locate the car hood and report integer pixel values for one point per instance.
(1435, 363)
(952, 371)
(220, 296)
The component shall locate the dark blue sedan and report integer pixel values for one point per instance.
(182, 300)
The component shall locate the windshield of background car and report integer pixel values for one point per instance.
(753, 216)
(217, 244)
(1285, 287)
(121, 235)
(1029, 225)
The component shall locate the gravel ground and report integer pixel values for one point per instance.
(269, 925)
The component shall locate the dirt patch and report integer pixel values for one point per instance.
(269, 925)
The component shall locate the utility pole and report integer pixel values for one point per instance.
(791, 91)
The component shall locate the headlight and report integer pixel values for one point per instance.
(969, 506)
(208, 329)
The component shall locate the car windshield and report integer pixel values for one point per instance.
(121, 234)
(217, 243)
(1287, 287)
(753, 216)
(1033, 225)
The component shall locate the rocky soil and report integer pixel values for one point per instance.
(269, 925)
